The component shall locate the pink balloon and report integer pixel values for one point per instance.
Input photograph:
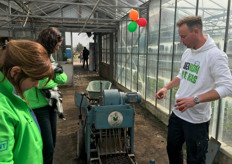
(142, 22)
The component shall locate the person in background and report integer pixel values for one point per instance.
(204, 76)
(22, 64)
(81, 57)
(46, 100)
(85, 57)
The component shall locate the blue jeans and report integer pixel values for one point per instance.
(196, 137)
(47, 119)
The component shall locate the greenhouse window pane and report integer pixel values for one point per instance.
(124, 29)
(142, 61)
(165, 48)
(154, 10)
(214, 16)
(128, 59)
(119, 55)
(217, 31)
(184, 8)
(134, 60)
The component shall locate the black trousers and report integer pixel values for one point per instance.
(47, 119)
(196, 137)
(85, 60)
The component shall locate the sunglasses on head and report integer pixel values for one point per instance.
(59, 37)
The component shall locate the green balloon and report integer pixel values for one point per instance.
(132, 26)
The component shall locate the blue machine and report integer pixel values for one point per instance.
(108, 129)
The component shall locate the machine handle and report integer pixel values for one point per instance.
(82, 96)
(152, 161)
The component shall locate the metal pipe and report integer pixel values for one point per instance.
(147, 56)
(197, 5)
(52, 17)
(137, 80)
(26, 19)
(95, 7)
(173, 53)
(8, 22)
(70, 29)
(23, 7)
(158, 56)
(9, 17)
(86, 4)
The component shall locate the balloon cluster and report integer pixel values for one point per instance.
(134, 15)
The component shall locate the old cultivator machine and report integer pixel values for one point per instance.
(106, 134)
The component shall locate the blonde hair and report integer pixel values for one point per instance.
(30, 56)
(191, 22)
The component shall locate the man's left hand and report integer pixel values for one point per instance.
(182, 104)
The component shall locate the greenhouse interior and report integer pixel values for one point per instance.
(141, 60)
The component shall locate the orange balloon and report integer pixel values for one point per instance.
(134, 15)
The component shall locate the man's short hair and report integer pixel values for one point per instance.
(191, 22)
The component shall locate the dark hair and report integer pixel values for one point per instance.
(30, 56)
(48, 38)
(191, 22)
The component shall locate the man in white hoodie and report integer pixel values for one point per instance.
(204, 77)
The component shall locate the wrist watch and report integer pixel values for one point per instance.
(196, 100)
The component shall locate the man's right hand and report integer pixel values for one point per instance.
(162, 93)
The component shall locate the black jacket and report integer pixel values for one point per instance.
(85, 53)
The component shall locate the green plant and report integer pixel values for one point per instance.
(79, 47)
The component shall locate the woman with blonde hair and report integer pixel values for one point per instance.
(22, 64)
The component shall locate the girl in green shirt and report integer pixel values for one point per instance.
(45, 107)
(22, 64)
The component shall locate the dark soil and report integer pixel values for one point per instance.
(150, 133)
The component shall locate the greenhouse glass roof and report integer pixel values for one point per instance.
(74, 15)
